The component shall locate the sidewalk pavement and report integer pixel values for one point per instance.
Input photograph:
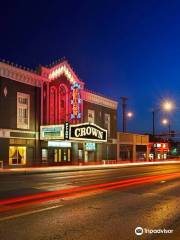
(61, 169)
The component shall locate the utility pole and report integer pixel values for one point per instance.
(124, 99)
(153, 118)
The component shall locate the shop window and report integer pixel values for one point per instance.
(91, 116)
(17, 155)
(23, 110)
(44, 155)
(107, 122)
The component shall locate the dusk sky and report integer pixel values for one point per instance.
(118, 48)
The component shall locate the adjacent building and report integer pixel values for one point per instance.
(48, 117)
(132, 147)
(159, 150)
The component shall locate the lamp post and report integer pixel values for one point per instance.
(166, 106)
(124, 99)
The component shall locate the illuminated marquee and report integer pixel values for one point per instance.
(88, 132)
(52, 132)
(76, 101)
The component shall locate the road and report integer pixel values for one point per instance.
(100, 204)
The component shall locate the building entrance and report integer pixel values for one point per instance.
(62, 155)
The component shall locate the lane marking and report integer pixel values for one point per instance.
(29, 213)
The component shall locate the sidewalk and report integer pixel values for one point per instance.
(61, 169)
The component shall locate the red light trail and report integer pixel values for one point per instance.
(19, 202)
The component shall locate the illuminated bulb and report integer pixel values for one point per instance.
(167, 106)
(165, 121)
(129, 114)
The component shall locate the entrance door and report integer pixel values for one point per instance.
(66, 155)
(62, 155)
(86, 156)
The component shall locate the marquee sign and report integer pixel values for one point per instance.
(76, 101)
(88, 132)
(50, 132)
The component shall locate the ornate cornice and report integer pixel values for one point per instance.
(56, 71)
(20, 75)
(99, 100)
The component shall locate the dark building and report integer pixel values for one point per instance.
(49, 118)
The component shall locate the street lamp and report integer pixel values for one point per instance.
(166, 106)
(130, 115)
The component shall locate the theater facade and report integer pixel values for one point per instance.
(48, 117)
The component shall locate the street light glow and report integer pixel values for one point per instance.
(129, 114)
(165, 121)
(168, 106)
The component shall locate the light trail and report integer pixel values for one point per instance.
(19, 202)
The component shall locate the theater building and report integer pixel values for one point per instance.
(48, 117)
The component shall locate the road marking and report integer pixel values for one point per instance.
(29, 213)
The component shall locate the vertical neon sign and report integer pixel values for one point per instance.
(76, 101)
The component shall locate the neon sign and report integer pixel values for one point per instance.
(59, 71)
(76, 101)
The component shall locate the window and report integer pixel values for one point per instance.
(91, 116)
(23, 110)
(53, 104)
(63, 106)
(17, 155)
(107, 123)
(44, 155)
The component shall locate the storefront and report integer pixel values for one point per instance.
(158, 151)
(132, 147)
(71, 143)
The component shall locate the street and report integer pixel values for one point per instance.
(96, 204)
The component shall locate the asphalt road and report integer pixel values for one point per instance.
(94, 205)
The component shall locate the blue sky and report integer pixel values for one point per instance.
(119, 48)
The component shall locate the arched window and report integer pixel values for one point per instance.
(53, 105)
(63, 103)
(44, 102)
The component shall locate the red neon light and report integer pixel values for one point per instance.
(75, 102)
